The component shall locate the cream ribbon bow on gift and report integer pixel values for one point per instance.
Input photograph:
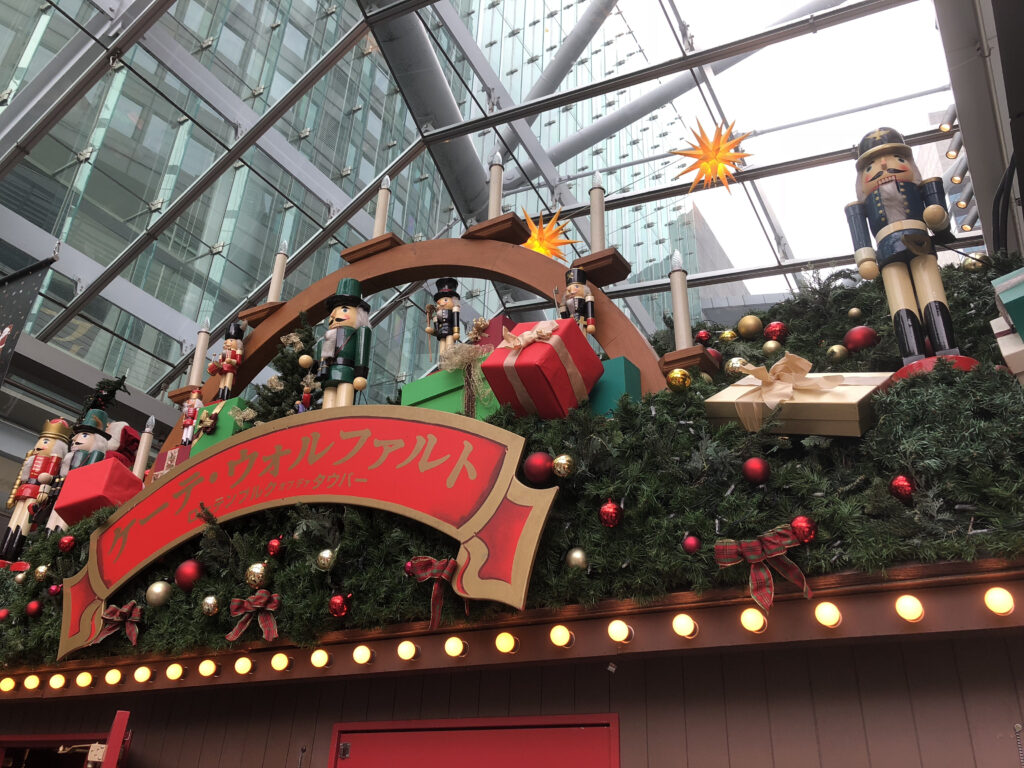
(776, 386)
(542, 332)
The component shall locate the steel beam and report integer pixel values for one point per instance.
(22, 128)
(389, 11)
(307, 249)
(274, 113)
(673, 66)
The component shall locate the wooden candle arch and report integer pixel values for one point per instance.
(386, 262)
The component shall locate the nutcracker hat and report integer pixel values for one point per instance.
(94, 421)
(235, 331)
(880, 142)
(349, 294)
(575, 275)
(58, 428)
(446, 288)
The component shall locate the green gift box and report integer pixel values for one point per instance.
(620, 378)
(224, 424)
(1010, 298)
(442, 391)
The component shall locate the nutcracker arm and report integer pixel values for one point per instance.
(857, 219)
(363, 339)
(455, 324)
(563, 312)
(936, 215)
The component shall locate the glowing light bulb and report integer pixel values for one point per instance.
(506, 642)
(408, 650)
(174, 671)
(7, 685)
(362, 654)
(999, 601)
(909, 608)
(208, 668)
(243, 665)
(753, 621)
(620, 631)
(113, 677)
(280, 662)
(31, 683)
(57, 681)
(684, 626)
(320, 658)
(561, 636)
(455, 647)
(828, 614)
(142, 674)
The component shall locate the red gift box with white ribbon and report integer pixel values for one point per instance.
(547, 368)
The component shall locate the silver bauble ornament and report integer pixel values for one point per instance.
(210, 605)
(256, 575)
(158, 593)
(855, 313)
(19, 578)
(771, 348)
(325, 559)
(576, 558)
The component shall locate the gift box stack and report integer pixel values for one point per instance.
(1011, 345)
(808, 403)
(106, 483)
(443, 391)
(217, 422)
(620, 378)
(168, 460)
(1009, 326)
(545, 368)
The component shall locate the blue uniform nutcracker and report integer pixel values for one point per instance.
(579, 302)
(444, 323)
(345, 350)
(899, 209)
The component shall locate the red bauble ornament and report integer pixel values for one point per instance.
(691, 545)
(186, 575)
(804, 528)
(54, 589)
(611, 514)
(33, 608)
(339, 605)
(860, 337)
(756, 470)
(703, 336)
(538, 468)
(274, 547)
(776, 331)
(715, 355)
(408, 567)
(902, 487)
(4, 613)
(66, 543)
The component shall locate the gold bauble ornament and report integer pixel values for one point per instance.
(707, 377)
(729, 335)
(576, 558)
(837, 353)
(750, 326)
(42, 572)
(563, 465)
(210, 605)
(306, 361)
(678, 379)
(771, 348)
(158, 593)
(976, 262)
(733, 365)
(256, 575)
(855, 313)
(325, 559)
(19, 578)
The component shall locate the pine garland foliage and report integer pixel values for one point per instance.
(958, 435)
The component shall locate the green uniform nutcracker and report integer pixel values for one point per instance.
(345, 350)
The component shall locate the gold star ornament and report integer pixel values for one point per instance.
(715, 156)
(547, 238)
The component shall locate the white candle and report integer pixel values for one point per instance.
(680, 303)
(380, 218)
(195, 375)
(277, 276)
(145, 444)
(597, 213)
(495, 188)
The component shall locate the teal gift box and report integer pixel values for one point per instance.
(224, 427)
(1010, 298)
(442, 391)
(620, 378)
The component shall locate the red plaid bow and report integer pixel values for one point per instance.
(423, 568)
(261, 604)
(114, 618)
(767, 549)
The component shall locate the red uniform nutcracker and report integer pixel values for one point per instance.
(228, 361)
(189, 415)
(579, 301)
(34, 484)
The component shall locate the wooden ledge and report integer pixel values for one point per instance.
(180, 395)
(256, 315)
(507, 228)
(368, 248)
(604, 267)
(691, 357)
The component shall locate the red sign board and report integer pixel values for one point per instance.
(455, 474)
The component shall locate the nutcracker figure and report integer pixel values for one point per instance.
(189, 415)
(88, 446)
(345, 350)
(899, 209)
(34, 483)
(229, 359)
(444, 322)
(123, 443)
(305, 402)
(579, 301)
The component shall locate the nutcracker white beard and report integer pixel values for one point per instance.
(83, 441)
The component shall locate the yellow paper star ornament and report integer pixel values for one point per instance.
(715, 158)
(547, 238)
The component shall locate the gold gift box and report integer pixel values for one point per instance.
(844, 411)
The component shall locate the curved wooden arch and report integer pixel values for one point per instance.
(411, 262)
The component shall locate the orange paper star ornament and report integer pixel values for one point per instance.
(715, 158)
(547, 238)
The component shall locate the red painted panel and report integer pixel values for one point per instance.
(549, 742)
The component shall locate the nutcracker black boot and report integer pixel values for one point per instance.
(908, 335)
(5, 543)
(940, 328)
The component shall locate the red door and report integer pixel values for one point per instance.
(109, 747)
(505, 742)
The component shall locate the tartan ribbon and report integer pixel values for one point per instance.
(424, 568)
(767, 549)
(114, 618)
(775, 386)
(259, 605)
